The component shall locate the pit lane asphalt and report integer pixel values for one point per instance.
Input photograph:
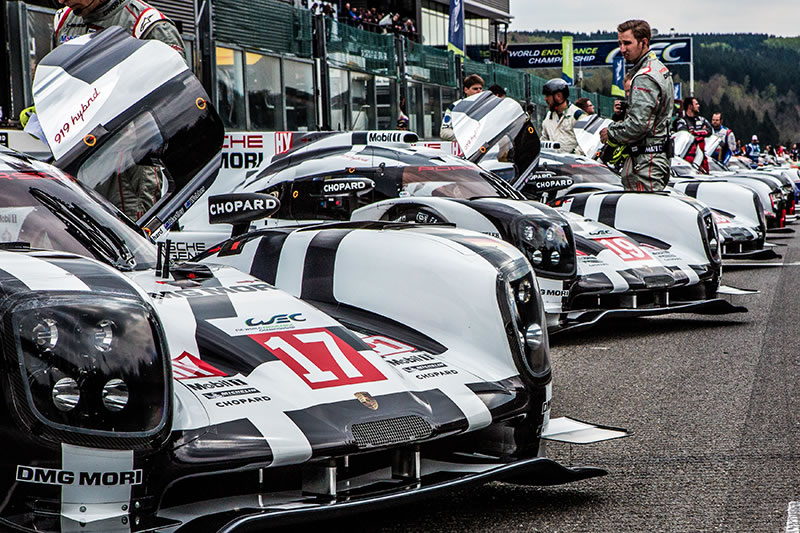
(712, 403)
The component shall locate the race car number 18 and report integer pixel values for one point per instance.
(320, 358)
(624, 249)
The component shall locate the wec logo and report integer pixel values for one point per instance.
(276, 319)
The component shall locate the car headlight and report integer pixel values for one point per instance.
(710, 235)
(548, 244)
(87, 367)
(526, 325)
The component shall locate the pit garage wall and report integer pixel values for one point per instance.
(251, 150)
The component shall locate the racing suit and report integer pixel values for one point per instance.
(645, 128)
(753, 151)
(727, 145)
(446, 131)
(560, 128)
(700, 128)
(136, 189)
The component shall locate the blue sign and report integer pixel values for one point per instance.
(678, 92)
(586, 54)
(456, 35)
(618, 80)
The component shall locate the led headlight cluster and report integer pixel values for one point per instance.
(711, 236)
(527, 325)
(548, 245)
(90, 365)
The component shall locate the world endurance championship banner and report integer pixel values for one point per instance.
(588, 54)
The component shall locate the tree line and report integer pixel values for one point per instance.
(751, 78)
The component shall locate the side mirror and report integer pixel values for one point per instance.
(240, 209)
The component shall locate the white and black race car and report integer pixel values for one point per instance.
(141, 395)
(586, 269)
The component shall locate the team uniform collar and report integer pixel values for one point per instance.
(106, 9)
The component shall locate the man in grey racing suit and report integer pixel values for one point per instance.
(645, 128)
(135, 189)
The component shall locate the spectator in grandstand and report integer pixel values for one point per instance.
(586, 105)
(473, 84)
(497, 91)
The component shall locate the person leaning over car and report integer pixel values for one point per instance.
(559, 124)
(473, 84)
(136, 189)
(645, 128)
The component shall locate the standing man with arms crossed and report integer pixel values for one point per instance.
(727, 144)
(645, 128)
(135, 189)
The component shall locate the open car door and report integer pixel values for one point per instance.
(106, 106)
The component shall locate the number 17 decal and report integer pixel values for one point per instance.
(319, 358)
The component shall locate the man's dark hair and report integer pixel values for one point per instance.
(497, 90)
(721, 116)
(640, 29)
(473, 79)
(688, 101)
(583, 103)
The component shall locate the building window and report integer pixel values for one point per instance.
(339, 98)
(477, 31)
(299, 90)
(264, 96)
(384, 96)
(362, 98)
(230, 88)
(431, 109)
(435, 24)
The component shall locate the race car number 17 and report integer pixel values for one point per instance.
(319, 357)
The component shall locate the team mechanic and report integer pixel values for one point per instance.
(645, 128)
(559, 124)
(136, 189)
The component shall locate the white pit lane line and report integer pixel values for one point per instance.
(793, 518)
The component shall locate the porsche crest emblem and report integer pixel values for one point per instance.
(367, 400)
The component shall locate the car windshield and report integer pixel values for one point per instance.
(582, 172)
(43, 208)
(452, 181)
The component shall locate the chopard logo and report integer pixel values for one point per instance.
(276, 319)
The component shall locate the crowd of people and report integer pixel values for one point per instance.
(371, 19)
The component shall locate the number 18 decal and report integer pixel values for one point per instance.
(319, 357)
(624, 249)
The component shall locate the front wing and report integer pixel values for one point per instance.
(370, 492)
(585, 319)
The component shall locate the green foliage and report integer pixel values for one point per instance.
(752, 78)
